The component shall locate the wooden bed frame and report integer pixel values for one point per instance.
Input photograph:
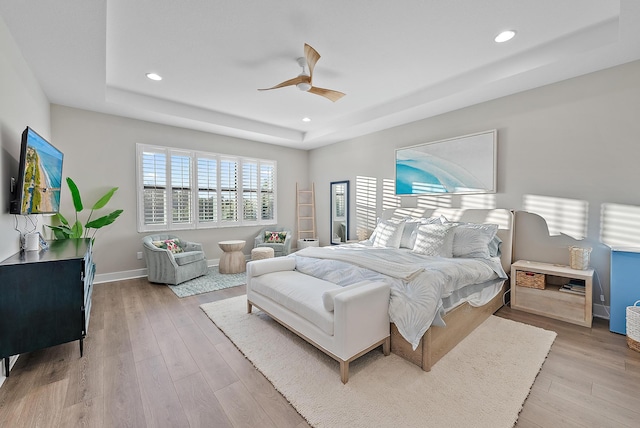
(437, 341)
(463, 319)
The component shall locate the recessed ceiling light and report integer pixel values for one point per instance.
(505, 36)
(154, 76)
(306, 119)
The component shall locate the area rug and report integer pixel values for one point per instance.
(212, 281)
(482, 382)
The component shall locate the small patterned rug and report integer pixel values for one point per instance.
(212, 281)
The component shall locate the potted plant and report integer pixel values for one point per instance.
(65, 230)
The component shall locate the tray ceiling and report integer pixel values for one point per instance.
(396, 61)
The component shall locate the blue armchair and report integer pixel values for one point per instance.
(167, 264)
(279, 248)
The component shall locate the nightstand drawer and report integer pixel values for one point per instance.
(552, 302)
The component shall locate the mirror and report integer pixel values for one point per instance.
(339, 212)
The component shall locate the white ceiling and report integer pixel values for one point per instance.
(397, 61)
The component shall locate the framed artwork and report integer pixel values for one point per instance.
(461, 165)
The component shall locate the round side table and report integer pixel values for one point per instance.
(232, 260)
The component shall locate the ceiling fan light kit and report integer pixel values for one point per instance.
(304, 81)
(303, 86)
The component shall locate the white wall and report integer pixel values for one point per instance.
(100, 153)
(22, 103)
(575, 142)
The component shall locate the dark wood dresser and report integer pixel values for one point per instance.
(45, 297)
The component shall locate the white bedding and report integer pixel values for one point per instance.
(418, 282)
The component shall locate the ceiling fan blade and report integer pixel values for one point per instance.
(290, 82)
(327, 93)
(312, 56)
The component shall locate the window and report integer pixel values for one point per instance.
(180, 189)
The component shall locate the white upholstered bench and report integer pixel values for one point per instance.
(343, 322)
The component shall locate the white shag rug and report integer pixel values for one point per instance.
(482, 382)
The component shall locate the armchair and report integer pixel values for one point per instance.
(279, 248)
(177, 262)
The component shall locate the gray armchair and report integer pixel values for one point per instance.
(279, 249)
(165, 267)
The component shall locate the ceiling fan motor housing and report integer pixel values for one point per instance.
(304, 80)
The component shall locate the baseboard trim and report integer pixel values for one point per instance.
(131, 274)
(12, 361)
(601, 311)
(119, 276)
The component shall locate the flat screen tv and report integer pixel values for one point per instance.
(40, 176)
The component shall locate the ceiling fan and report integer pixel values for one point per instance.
(304, 80)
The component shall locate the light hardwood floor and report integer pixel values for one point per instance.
(153, 360)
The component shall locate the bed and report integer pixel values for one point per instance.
(461, 294)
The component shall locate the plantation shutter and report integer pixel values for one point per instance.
(207, 190)
(181, 195)
(179, 189)
(267, 191)
(250, 191)
(228, 190)
(340, 200)
(154, 185)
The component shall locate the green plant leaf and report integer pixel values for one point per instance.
(75, 195)
(65, 230)
(76, 230)
(61, 232)
(104, 220)
(61, 219)
(60, 235)
(104, 200)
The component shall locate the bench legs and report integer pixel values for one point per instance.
(344, 365)
(344, 371)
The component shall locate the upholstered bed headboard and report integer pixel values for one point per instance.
(502, 217)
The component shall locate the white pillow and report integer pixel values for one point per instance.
(435, 240)
(328, 297)
(472, 240)
(410, 231)
(388, 234)
(495, 245)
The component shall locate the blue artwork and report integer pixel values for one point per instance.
(462, 165)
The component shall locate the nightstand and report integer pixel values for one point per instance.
(553, 301)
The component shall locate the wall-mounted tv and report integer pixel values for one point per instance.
(40, 176)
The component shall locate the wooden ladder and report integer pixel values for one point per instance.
(306, 201)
